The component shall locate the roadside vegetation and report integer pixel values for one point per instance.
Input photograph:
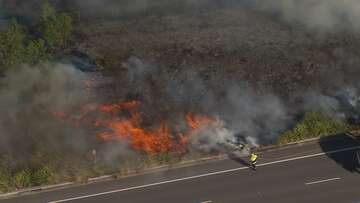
(45, 168)
(313, 124)
(49, 36)
(32, 45)
(19, 45)
(50, 168)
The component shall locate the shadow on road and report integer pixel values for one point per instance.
(238, 159)
(347, 159)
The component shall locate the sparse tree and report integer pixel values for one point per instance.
(12, 45)
(56, 28)
(36, 52)
(47, 11)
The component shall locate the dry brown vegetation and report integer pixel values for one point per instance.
(229, 43)
(222, 46)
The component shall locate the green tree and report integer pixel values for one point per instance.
(12, 45)
(56, 28)
(47, 11)
(36, 51)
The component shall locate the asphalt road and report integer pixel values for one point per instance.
(314, 172)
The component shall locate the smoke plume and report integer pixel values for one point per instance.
(316, 14)
(30, 95)
(343, 104)
(239, 112)
(28, 98)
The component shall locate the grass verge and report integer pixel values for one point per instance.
(313, 124)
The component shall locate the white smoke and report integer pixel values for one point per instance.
(315, 101)
(240, 114)
(343, 105)
(261, 116)
(315, 14)
(28, 97)
(216, 136)
(326, 14)
(212, 136)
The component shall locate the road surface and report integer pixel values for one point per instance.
(313, 172)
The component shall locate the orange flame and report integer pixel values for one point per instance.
(197, 122)
(152, 141)
(111, 108)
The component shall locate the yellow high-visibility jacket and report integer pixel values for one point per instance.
(253, 157)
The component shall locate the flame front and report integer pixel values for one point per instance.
(112, 125)
(153, 141)
(156, 140)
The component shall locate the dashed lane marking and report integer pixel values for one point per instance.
(203, 175)
(322, 181)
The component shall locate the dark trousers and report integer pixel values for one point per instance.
(253, 164)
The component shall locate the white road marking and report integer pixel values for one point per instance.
(321, 181)
(202, 175)
(209, 201)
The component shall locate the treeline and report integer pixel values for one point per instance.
(21, 44)
(31, 44)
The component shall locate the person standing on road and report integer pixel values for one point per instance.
(253, 160)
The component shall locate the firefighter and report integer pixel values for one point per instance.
(253, 159)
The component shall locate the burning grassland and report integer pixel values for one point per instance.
(58, 119)
(175, 85)
(123, 122)
(59, 122)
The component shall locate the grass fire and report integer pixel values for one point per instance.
(90, 89)
(123, 122)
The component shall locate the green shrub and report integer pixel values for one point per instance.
(40, 176)
(22, 179)
(5, 182)
(101, 169)
(36, 52)
(314, 124)
(162, 158)
(167, 158)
